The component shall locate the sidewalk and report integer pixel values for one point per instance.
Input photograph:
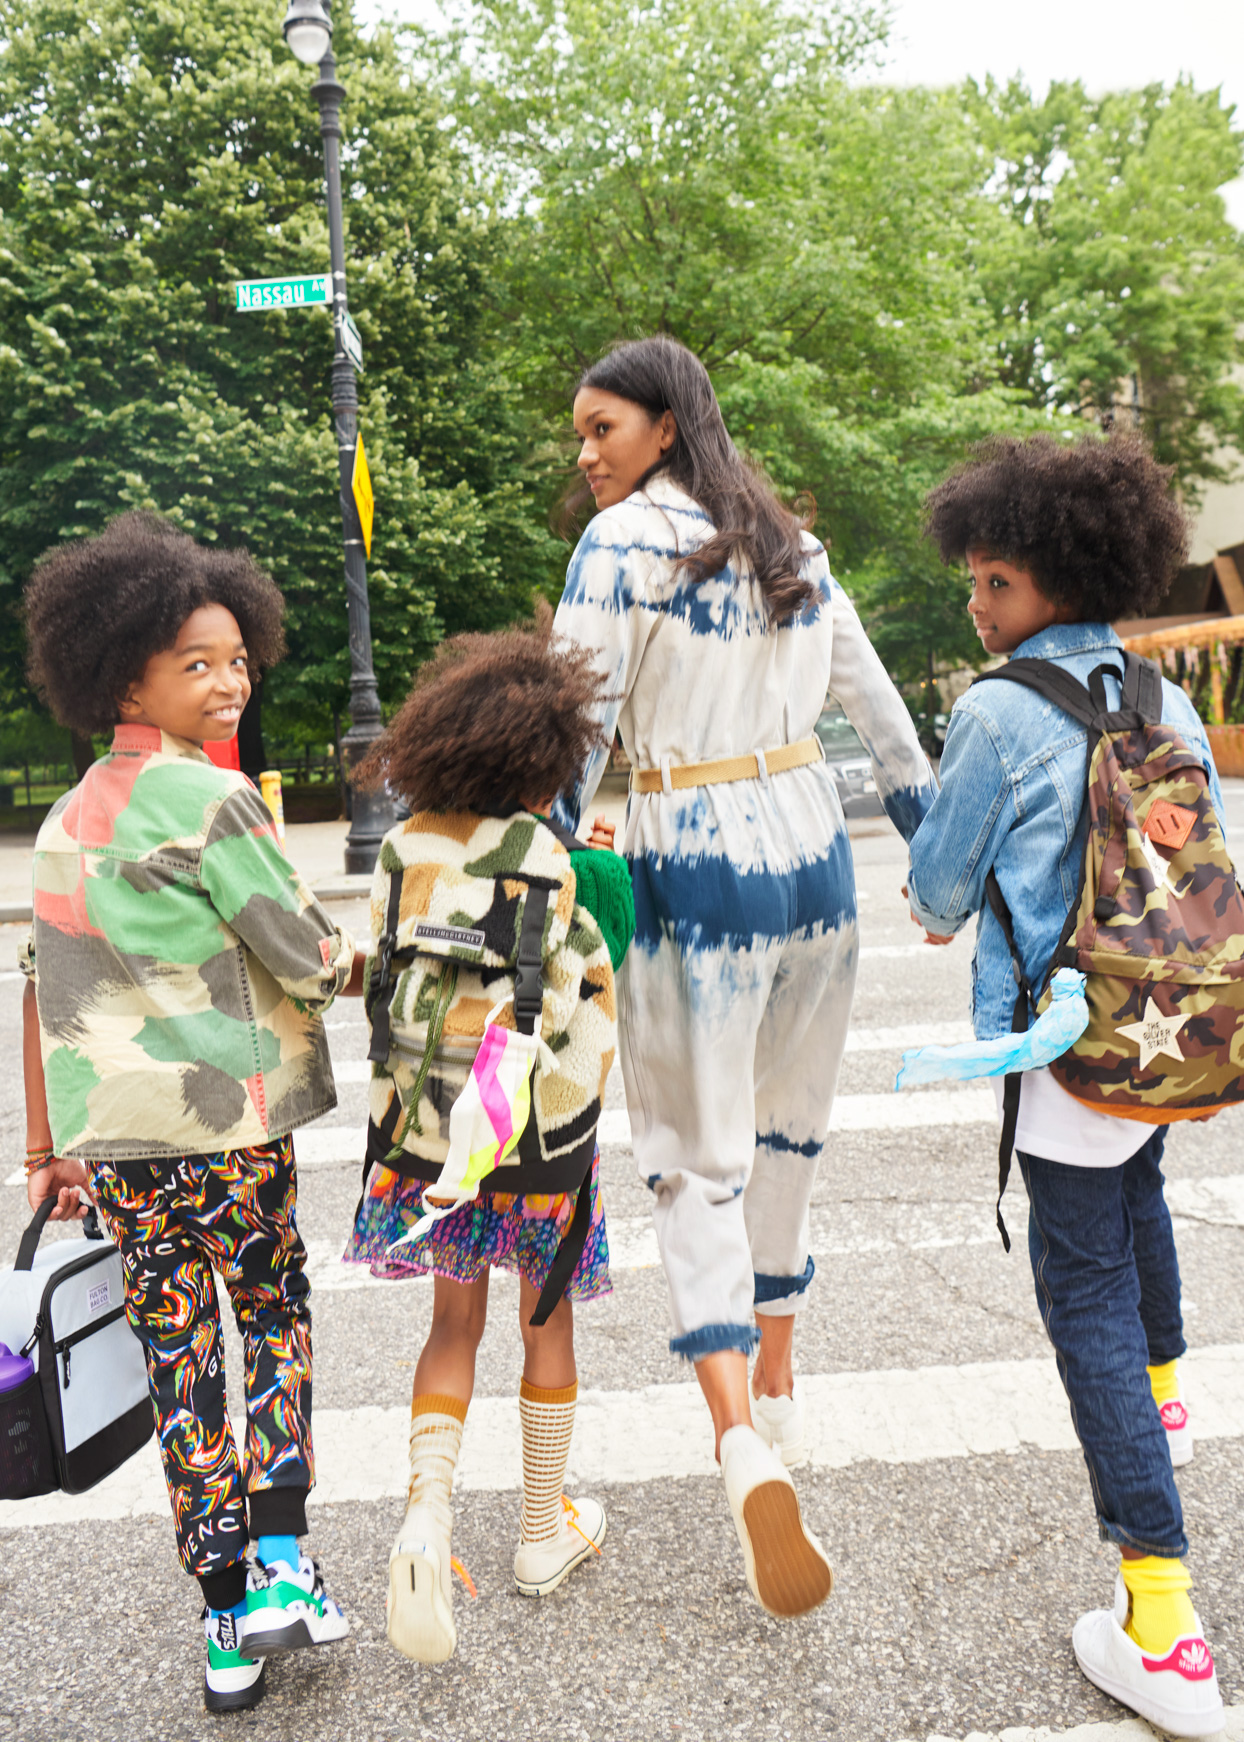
(317, 849)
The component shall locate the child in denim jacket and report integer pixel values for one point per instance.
(1062, 540)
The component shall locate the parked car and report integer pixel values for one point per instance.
(849, 765)
(931, 732)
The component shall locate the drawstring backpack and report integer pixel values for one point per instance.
(462, 1116)
(1157, 931)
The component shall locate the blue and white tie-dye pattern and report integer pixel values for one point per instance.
(736, 993)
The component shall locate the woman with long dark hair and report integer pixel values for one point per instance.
(719, 629)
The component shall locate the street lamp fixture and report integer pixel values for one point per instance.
(308, 30)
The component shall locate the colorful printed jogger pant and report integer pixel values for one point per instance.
(176, 1220)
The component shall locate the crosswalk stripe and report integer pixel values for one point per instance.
(660, 1432)
(351, 1069)
(1125, 1730)
(883, 1112)
(843, 1231)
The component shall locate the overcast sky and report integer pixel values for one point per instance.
(1109, 44)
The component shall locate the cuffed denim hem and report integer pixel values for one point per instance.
(1128, 1539)
(712, 1339)
(782, 1288)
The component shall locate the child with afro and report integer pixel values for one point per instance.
(1061, 539)
(178, 969)
(495, 727)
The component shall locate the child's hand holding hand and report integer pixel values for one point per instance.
(602, 835)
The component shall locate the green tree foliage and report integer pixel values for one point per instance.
(875, 278)
(1116, 285)
(151, 154)
(706, 168)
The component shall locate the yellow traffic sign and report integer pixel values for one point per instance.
(364, 500)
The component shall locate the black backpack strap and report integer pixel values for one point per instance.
(1019, 1025)
(379, 1143)
(382, 988)
(569, 1252)
(30, 1239)
(1048, 680)
(570, 842)
(1142, 687)
(529, 966)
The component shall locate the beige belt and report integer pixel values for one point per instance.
(758, 766)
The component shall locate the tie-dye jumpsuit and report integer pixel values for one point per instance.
(734, 1000)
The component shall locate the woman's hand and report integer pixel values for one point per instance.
(67, 1182)
(353, 987)
(602, 834)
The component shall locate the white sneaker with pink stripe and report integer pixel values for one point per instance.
(1177, 1692)
(1178, 1432)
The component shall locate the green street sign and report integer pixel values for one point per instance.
(256, 293)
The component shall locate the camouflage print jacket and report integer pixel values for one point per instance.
(460, 870)
(180, 963)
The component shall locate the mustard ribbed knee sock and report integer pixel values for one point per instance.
(1164, 1382)
(548, 1422)
(1162, 1610)
(435, 1442)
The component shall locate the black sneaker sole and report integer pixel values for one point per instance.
(241, 1700)
(293, 1637)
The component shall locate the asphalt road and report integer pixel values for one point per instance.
(945, 1483)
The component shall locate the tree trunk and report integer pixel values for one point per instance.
(83, 754)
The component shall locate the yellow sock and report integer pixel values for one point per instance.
(1164, 1382)
(1162, 1610)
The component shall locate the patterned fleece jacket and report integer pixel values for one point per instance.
(469, 875)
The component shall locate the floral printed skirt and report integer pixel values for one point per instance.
(497, 1230)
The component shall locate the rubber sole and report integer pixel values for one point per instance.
(792, 1575)
(419, 1622)
(239, 1700)
(1163, 1718)
(294, 1635)
(542, 1587)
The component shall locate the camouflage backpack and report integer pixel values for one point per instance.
(1158, 930)
(479, 910)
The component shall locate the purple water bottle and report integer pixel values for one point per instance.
(25, 1456)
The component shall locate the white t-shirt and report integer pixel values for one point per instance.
(1057, 1127)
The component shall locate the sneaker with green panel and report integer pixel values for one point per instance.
(287, 1608)
(232, 1681)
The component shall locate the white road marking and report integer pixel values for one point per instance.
(1218, 1200)
(662, 1432)
(1125, 1730)
(912, 1034)
(896, 952)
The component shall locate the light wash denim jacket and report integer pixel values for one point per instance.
(1012, 799)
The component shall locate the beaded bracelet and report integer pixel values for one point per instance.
(38, 1159)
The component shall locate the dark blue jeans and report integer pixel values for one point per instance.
(1103, 1260)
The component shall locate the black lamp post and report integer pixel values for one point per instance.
(308, 30)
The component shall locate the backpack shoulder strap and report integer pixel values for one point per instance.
(529, 966)
(1048, 680)
(1142, 687)
(1019, 1023)
(570, 842)
(382, 987)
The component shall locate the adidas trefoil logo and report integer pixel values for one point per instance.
(1194, 1658)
